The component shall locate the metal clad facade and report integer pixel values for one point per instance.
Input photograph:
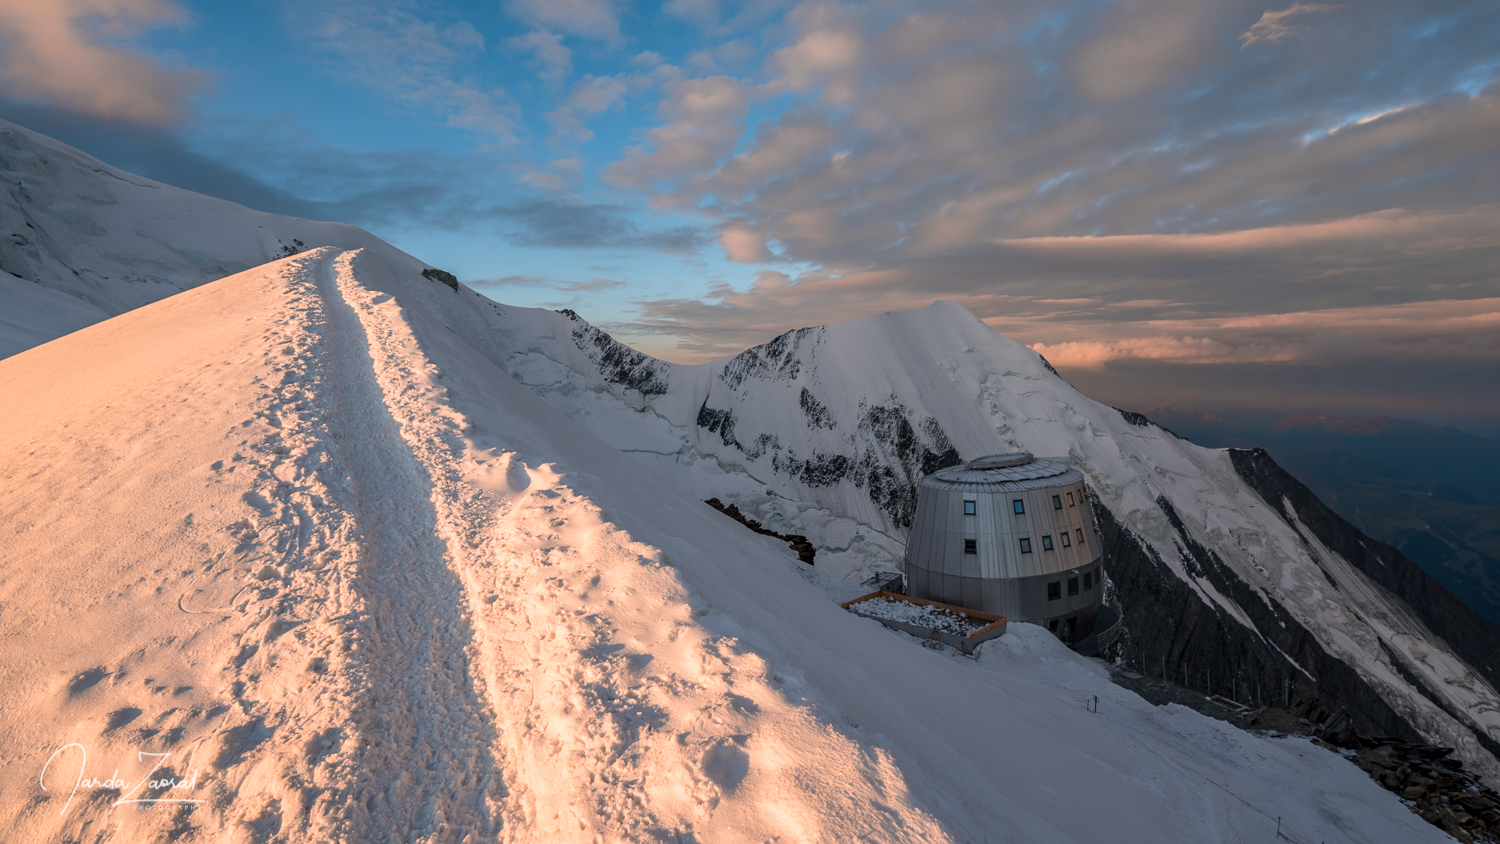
(1000, 577)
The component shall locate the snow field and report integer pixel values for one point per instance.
(415, 602)
(93, 241)
(1000, 750)
(989, 394)
(186, 582)
(638, 723)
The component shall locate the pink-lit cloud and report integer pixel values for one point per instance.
(1274, 26)
(59, 52)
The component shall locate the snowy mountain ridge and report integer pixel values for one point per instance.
(825, 432)
(351, 582)
(422, 590)
(83, 241)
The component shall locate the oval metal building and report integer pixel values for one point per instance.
(1011, 535)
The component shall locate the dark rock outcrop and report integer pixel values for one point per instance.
(617, 362)
(1140, 420)
(1171, 631)
(799, 544)
(1425, 776)
(442, 277)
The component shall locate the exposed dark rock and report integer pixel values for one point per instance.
(719, 422)
(1049, 366)
(617, 362)
(816, 412)
(1171, 630)
(897, 460)
(287, 250)
(442, 276)
(774, 361)
(764, 443)
(1141, 421)
(821, 470)
(799, 544)
(891, 455)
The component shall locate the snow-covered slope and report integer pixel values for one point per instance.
(825, 431)
(348, 580)
(81, 241)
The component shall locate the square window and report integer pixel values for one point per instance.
(969, 509)
(1072, 586)
(1054, 591)
(1047, 542)
(971, 546)
(1067, 540)
(1080, 536)
(1070, 499)
(1025, 545)
(1019, 505)
(1088, 581)
(1057, 502)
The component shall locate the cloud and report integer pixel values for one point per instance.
(553, 60)
(1273, 26)
(701, 12)
(596, 19)
(705, 117)
(591, 96)
(1440, 331)
(1340, 289)
(419, 62)
(743, 245)
(1093, 354)
(567, 224)
(1143, 46)
(593, 285)
(827, 56)
(51, 52)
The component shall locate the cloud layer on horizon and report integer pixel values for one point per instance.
(1157, 182)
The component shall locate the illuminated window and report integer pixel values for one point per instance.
(1019, 505)
(971, 546)
(1067, 541)
(1047, 542)
(969, 508)
(1080, 536)
(1025, 545)
(1070, 499)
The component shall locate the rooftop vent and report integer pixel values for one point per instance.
(1001, 461)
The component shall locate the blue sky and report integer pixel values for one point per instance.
(1238, 205)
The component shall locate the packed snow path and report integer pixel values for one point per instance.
(292, 531)
(426, 741)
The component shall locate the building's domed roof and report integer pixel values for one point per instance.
(1003, 473)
